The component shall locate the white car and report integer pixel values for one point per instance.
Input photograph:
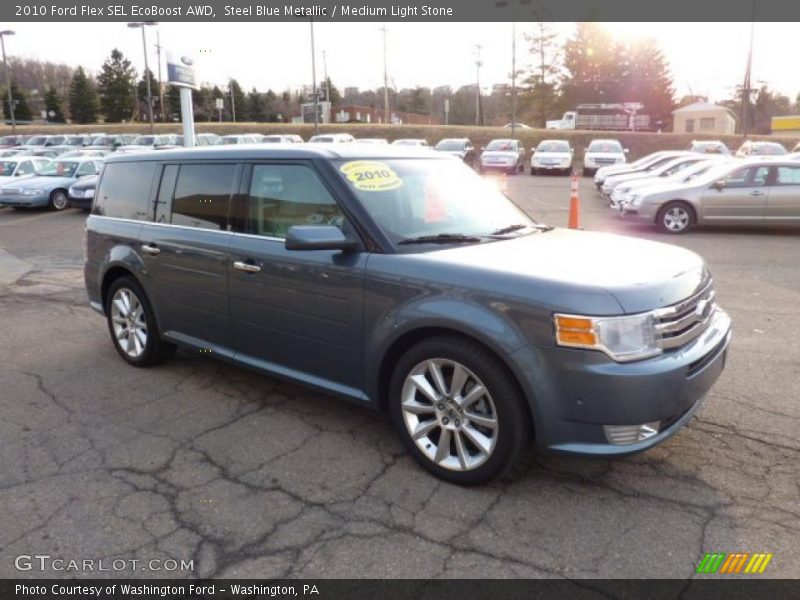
(235, 140)
(281, 138)
(332, 138)
(623, 193)
(377, 141)
(15, 167)
(552, 155)
(602, 153)
(647, 162)
(662, 169)
(420, 143)
(504, 155)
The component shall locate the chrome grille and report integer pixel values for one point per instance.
(679, 324)
(10, 192)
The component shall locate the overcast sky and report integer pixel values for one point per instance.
(706, 58)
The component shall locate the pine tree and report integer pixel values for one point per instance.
(22, 110)
(83, 103)
(255, 106)
(173, 102)
(155, 95)
(117, 84)
(595, 67)
(333, 92)
(53, 104)
(271, 106)
(648, 80)
(239, 106)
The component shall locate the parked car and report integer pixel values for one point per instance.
(505, 155)
(332, 138)
(234, 140)
(16, 151)
(755, 191)
(85, 152)
(516, 126)
(552, 155)
(460, 147)
(81, 193)
(796, 149)
(150, 142)
(602, 153)
(750, 148)
(207, 139)
(662, 169)
(649, 162)
(15, 168)
(11, 141)
(37, 142)
(49, 188)
(378, 141)
(282, 138)
(434, 308)
(110, 142)
(48, 152)
(411, 142)
(710, 147)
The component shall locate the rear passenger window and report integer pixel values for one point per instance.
(125, 191)
(788, 176)
(202, 194)
(282, 196)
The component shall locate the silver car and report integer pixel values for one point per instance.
(754, 191)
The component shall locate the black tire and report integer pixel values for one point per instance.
(586, 172)
(533, 171)
(514, 426)
(155, 349)
(670, 216)
(59, 200)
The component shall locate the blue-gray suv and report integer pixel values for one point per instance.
(399, 279)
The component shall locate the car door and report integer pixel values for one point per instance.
(741, 197)
(185, 253)
(296, 312)
(783, 203)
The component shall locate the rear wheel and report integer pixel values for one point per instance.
(675, 217)
(59, 200)
(458, 410)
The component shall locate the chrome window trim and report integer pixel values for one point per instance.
(221, 231)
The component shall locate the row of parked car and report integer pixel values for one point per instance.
(677, 190)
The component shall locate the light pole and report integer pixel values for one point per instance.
(233, 102)
(385, 80)
(141, 25)
(160, 81)
(3, 35)
(478, 85)
(746, 89)
(314, 80)
(325, 72)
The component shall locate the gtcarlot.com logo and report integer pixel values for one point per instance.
(45, 562)
(734, 563)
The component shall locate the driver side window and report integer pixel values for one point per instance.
(750, 177)
(282, 196)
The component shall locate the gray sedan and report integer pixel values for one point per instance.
(756, 191)
(49, 187)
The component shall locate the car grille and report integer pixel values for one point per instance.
(605, 161)
(10, 192)
(679, 324)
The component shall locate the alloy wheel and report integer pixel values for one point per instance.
(676, 218)
(129, 323)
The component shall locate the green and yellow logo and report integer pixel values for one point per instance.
(733, 563)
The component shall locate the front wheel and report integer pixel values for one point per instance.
(59, 200)
(675, 217)
(458, 410)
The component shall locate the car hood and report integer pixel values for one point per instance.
(640, 275)
(45, 183)
(86, 182)
(638, 182)
(552, 155)
(499, 154)
(600, 155)
(615, 180)
(459, 153)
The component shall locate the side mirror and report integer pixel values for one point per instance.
(626, 150)
(318, 237)
(719, 185)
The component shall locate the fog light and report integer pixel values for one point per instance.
(623, 435)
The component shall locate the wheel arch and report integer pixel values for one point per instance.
(682, 201)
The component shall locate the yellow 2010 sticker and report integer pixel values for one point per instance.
(371, 176)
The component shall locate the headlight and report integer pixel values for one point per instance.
(33, 192)
(635, 200)
(622, 190)
(622, 338)
(89, 193)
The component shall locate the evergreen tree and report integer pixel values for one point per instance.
(648, 80)
(173, 103)
(155, 91)
(22, 110)
(239, 106)
(595, 67)
(332, 91)
(540, 99)
(117, 85)
(83, 103)
(255, 106)
(271, 106)
(53, 104)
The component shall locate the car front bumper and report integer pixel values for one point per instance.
(20, 200)
(85, 203)
(577, 396)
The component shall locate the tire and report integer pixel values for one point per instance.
(121, 316)
(675, 217)
(586, 172)
(58, 200)
(533, 171)
(475, 452)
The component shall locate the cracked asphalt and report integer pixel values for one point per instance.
(251, 477)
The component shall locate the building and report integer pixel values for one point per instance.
(366, 114)
(704, 117)
(788, 125)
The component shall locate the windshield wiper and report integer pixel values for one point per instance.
(518, 226)
(442, 238)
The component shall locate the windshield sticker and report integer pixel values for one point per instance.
(371, 176)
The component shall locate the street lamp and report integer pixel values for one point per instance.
(3, 35)
(314, 79)
(141, 25)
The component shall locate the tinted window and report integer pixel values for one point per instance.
(752, 177)
(25, 168)
(282, 196)
(202, 194)
(125, 190)
(788, 176)
(165, 189)
(87, 168)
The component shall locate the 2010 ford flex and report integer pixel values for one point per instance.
(399, 279)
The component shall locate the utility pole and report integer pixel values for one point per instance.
(3, 35)
(160, 81)
(325, 69)
(746, 90)
(385, 80)
(141, 25)
(233, 102)
(513, 78)
(478, 85)
(314, 80)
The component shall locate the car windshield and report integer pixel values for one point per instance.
(7, 140)
(448, 145)
(60, 168)
(37, 140)
(418, 198)
(501, 145)
(103, 140)
(230, 140)
(560, 147)
(321, 138)
(769, 149)
(272, 139)
(143, 140)
(605, 146)
(7, 168)
(73, 141)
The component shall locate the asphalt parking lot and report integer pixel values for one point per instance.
(251, 477)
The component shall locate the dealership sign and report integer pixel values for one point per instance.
(180, 71)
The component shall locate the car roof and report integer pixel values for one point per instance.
(275, 151)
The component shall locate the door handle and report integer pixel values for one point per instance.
(756, 193)
(150, 249)
(247, 267)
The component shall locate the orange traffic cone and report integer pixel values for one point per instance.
(574, 204)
